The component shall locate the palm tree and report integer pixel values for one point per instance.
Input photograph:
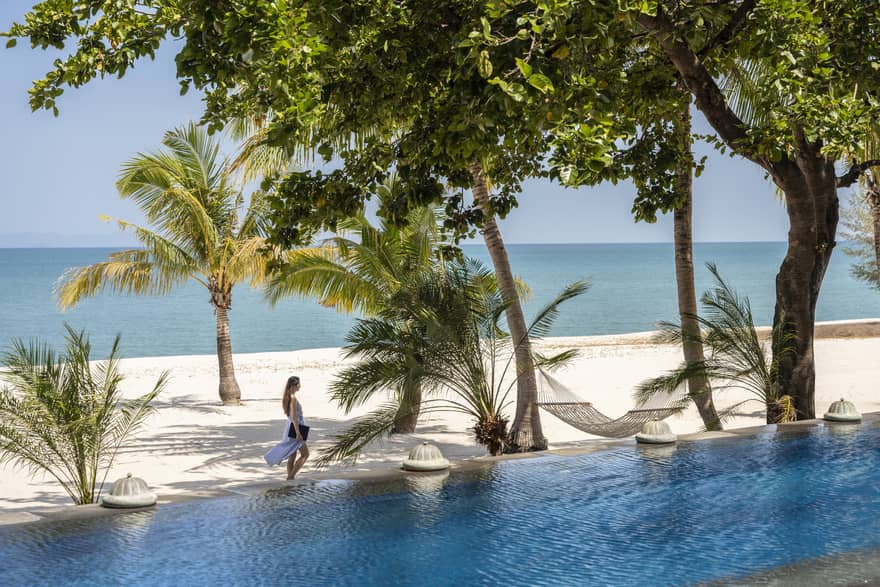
(699, 387)
(455, 350)
(194, 199)
(64, 416)
(364, 268)
(526, 434)
(737, 358)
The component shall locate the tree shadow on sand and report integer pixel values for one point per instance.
(233, 454)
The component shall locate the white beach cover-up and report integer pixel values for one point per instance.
(288, 445)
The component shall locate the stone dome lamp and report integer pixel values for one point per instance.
(425, 457)
(655, 432)
(129, 492)
(842, 411)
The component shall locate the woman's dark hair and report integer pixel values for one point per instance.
(285, 399)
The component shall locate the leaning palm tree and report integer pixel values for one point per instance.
(363, 268)
(64, 416)
(193, 197)
(738, 358)
(699, 387)
(455, 349)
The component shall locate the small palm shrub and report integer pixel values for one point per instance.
(65, 416)
(450, 345)
(364, 268)
(737, 357)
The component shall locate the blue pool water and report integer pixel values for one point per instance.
(633, 286)
(720, 511)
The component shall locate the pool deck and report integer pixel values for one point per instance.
(390, 474)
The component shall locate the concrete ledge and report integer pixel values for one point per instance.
(848, 329)
(708, 435)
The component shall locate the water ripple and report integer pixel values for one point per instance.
(730, 510)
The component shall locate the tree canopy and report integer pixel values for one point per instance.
(578, 89)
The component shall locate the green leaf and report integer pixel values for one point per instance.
(517, 92)
(484, 64)
(524, 67)
(541, 82)
(11, 43)
(561, 53)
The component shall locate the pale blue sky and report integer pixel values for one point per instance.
(58, 173)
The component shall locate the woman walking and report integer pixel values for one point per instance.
(295, 433)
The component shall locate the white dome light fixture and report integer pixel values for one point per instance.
(129, 492)
(425, 457)
(842, 411)
(655, 432)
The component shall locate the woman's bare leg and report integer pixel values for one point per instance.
(303, 456)
(290, 464)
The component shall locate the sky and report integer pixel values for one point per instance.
(58, 174)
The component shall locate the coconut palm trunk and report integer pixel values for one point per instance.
(873, 197)
(526, 433)
(221, 299)
(410, 406)
(699, 388)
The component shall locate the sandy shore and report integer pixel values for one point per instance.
(194, 443)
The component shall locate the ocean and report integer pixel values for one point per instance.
(633, 286)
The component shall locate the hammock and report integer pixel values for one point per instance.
(568, 407)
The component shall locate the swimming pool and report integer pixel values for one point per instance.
(726, 511)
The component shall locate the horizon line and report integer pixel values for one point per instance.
(472, 243)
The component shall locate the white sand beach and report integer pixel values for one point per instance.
(194, 443)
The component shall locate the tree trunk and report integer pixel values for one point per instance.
(526, 433)
(408, 413)
(874, 202)
(810, 189)
(699, 388)
(230, 394)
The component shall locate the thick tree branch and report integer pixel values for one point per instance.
(726, 34)
(852, 176)
(708, 96)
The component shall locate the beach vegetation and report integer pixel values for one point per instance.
(363, 268)
(699, 386)
(431, 116)
(812, 111)
(203, 232)
(62, 415)
(499, 92)
(860, 217)
(787, 85)
(738, 357)
(658, 158)
(452, 345)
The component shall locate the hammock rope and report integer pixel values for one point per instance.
(558, 400)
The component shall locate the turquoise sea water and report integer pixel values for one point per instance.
(633, 286)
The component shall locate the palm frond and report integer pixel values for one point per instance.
(320, 272)
(348, 444)
(557, 361)
(737, 358)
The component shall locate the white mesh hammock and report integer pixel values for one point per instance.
(558, 400)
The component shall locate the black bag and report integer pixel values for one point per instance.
(303, 429)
